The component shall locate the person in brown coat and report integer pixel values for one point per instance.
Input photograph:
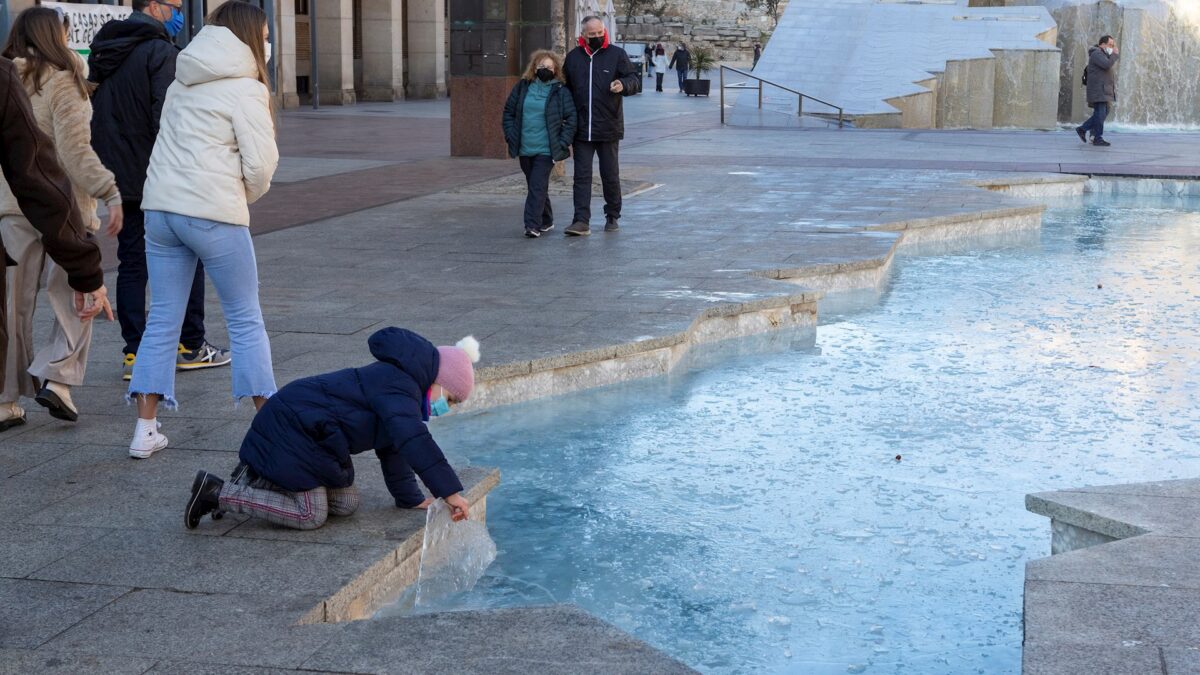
(27, 159)
(55, 78)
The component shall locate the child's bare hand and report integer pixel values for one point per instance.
(459, 508)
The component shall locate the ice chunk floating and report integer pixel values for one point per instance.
(752, 516)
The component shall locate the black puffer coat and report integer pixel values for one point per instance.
(305, 434)
(133, 61)
(589, 77)
(560, 119)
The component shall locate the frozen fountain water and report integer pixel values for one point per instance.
(1157, 79)
(854, 501)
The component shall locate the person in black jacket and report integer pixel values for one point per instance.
(681, 61)
(133, 63)
(30, 166)
(295, 467)
(598, 74)
(539, 125)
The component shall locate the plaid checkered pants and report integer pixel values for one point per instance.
(308, 510)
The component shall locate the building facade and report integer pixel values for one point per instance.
(366, 50)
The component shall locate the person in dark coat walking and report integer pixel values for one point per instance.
(757, 55)
(599, 74)
(133, 62)
(539, 124)
(681, 61)
(295, 467)
(30, 166)
(1101, 88)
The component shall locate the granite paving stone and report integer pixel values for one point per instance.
(1148, 560)
(1105, 614)
(1057, 659)
(222, 629)
(537, 640)
(28, 548)
(43, 662)
(33, 612)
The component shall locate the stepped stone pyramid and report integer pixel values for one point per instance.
(916, 64)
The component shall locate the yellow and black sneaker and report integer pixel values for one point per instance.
(204, 356)
(129, 359)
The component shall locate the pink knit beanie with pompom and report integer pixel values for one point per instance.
(456, 372)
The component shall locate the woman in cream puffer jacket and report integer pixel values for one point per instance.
(56, 80)
(215, 154)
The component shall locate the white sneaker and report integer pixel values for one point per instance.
(147, 442)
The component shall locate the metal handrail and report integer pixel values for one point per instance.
(761, 81)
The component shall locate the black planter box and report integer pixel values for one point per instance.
(696, 87)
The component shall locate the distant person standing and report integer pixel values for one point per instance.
(681, 61)
(648, 59)
(757, 55)
(660, 65)
(1101, 83)
(599, 74)
(133, 62)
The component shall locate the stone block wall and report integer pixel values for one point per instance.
(728, 27)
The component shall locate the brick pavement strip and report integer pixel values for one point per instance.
(96, 573)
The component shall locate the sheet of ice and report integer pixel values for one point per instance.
(453, 558)
(753, 517)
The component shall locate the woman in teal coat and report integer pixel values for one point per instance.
(539, 125)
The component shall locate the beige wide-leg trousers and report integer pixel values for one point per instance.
(64, 358)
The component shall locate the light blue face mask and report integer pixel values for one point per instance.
(439, 407)
(175, 24)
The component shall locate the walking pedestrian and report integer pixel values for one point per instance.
(214, 156)
(599, 75)
(295, 466)
(1101, 81)
(55, 78)
(660, 65)
(681, 61)
(648, 59)
(539, 125)
(43, 192)
(133, 63)
(757, 55)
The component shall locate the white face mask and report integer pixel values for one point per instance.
(1108, 50)
(267, 50)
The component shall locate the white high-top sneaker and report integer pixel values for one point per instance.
(146, 439)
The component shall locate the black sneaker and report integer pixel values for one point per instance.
(611, 225)
(206, 493)
(578, 229)
(532, 233)
(1082, 134)
(546, 228)
(1100, 142)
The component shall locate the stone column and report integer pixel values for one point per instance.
(426, 48)
(285, 51)
(382, 50)
(335, 38)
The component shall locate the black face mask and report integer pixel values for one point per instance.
(595, 43)
(545, 74)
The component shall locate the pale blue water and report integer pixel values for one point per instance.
(751, 516)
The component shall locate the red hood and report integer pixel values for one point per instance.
(583, 43)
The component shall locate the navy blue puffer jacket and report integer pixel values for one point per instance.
(305, 434)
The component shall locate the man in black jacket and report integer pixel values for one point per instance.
(599, 74)
(30, 166)
(681, 61)
(133, 62)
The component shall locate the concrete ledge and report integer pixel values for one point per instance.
(1121, 592)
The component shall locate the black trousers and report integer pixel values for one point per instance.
(610, 178)
(658, 78)
(132, 277)
(539, 215)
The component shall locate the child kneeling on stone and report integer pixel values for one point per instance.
(295, 466)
